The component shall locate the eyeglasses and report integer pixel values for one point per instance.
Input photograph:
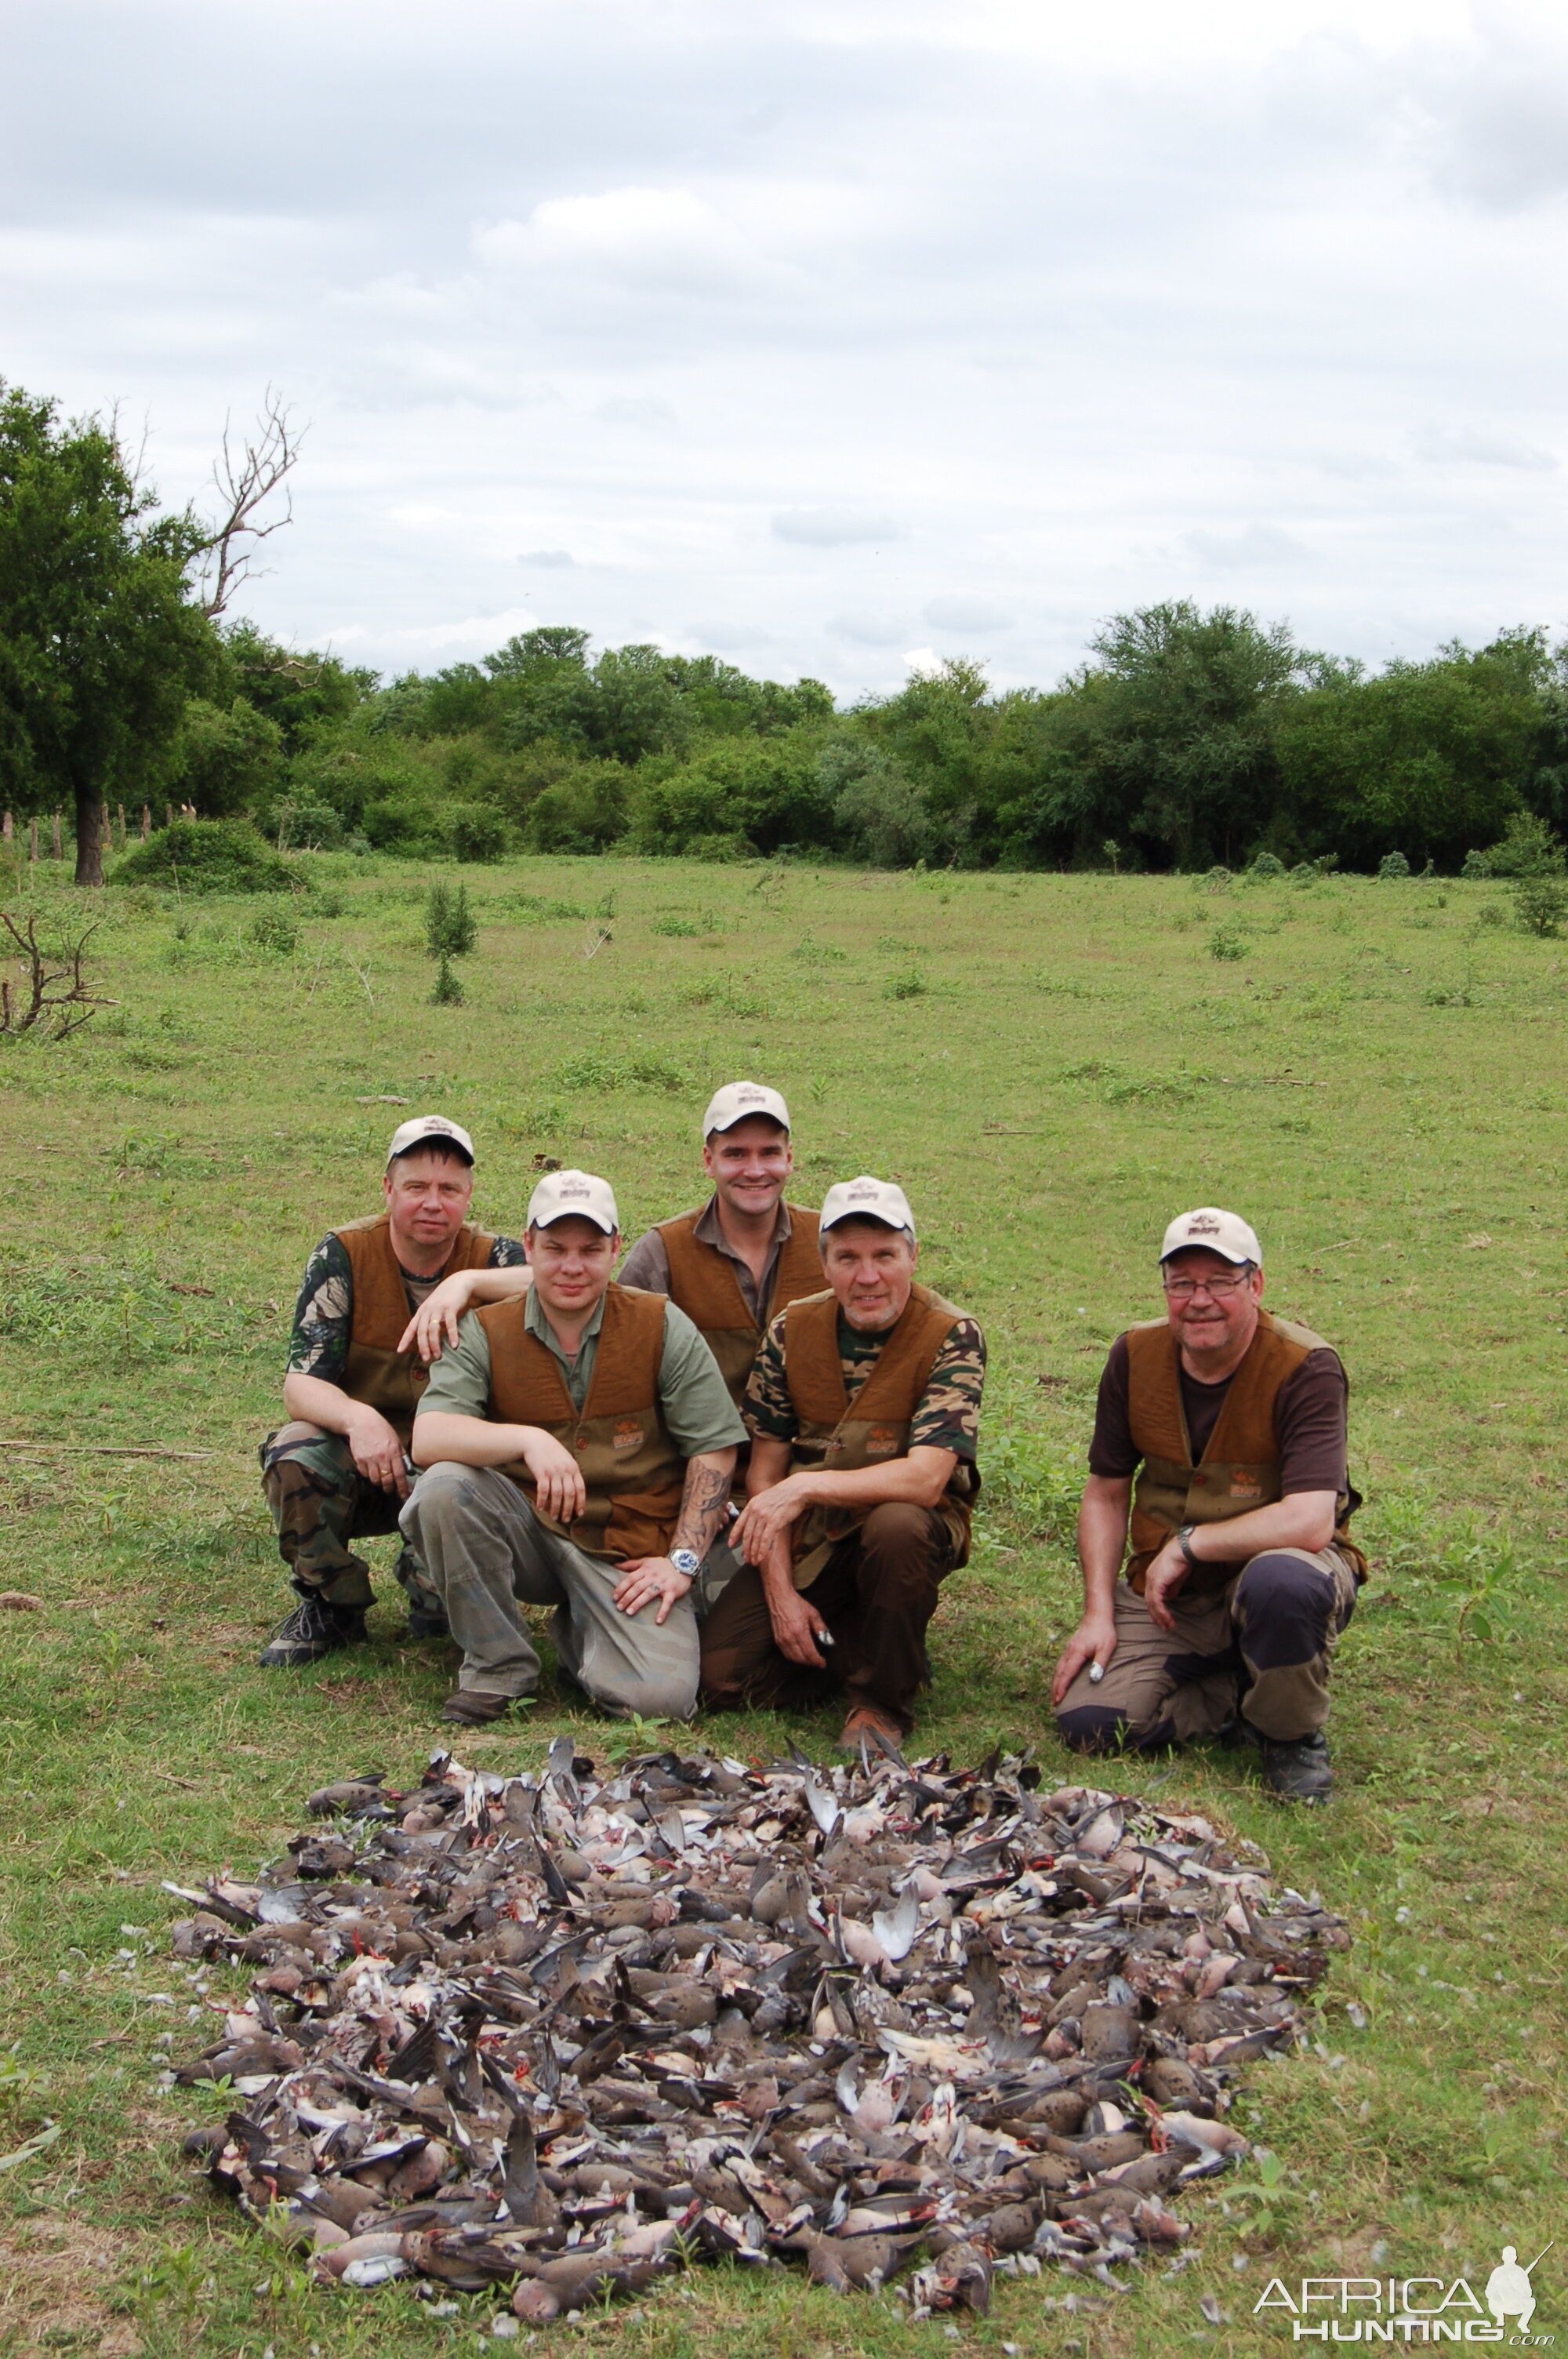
(1218, 1289)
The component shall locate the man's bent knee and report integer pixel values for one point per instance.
(1285, 1605)
(1099, 1728)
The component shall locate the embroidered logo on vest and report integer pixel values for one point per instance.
(629, 1434)
(1246, 1486)
(882, 1441)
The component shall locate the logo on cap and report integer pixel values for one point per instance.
(1203, 1224)
(572, 1187)
(860, 1189)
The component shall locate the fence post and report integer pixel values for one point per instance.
(33, 839)
(59, 853)
(146, 821)
(7, 827)
(121, 808)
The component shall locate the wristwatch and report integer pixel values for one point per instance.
(686, 1560)
(1184, 1542)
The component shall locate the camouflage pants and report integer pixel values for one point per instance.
(320, 1503)
(1261, 1645)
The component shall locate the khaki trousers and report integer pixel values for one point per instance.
(484, 1550)
(1261, 1646)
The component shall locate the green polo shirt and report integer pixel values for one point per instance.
(693, 1396)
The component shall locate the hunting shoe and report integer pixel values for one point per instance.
(474, 1706)
(1297, 1769)
(313, 1630)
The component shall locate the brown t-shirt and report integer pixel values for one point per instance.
(1309, 1414)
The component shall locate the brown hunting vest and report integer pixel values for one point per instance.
(840, 1436)
(632, 1470)
(1239, 1469)
(703, 1284)
(377, 1373)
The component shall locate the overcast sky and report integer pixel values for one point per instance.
(824, 336)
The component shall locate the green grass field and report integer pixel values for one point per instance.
(1373, 1073)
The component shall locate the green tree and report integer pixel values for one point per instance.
(100, 639)
(230, 758)
(1427, 759)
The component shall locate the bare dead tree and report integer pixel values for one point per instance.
(53, 985)
(245, 477)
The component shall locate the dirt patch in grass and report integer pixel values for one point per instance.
(61, 2283)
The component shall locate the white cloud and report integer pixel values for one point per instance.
(824, 309)
(1470, 446)
(1257, 547)
(964, 614)
(869, 630)
(835, 527)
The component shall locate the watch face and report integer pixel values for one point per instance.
(684, 1560)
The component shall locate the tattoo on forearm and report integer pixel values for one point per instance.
(701, 1508)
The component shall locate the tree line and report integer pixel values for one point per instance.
(1186, 739)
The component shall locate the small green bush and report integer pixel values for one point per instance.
(1392, 866)
(1528, 848)
(912, 983)
(449, 991)
(681, 929)
(208, 855)
(450, 926)
(1226, 943)
(276, 929)
(1267, 868)
(476, 831)
(1477, 864)
(1541, 904)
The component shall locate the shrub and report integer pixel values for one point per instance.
(1476, 863)
(475, 832)
(449, 991)
(584, 811)
(1540, 903)
(450, 926)
(306, 826)
(910, 984)
(1528, 848)
(205, 855)
(276, 929)
(1267, 867)
(1226, 943)
(1393, 864)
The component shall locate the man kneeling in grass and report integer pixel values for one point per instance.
(337, 1471)
(864, 1412)
(577, 1442)
(1243, 1571)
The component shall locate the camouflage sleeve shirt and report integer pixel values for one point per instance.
(325, 1310)
(946, 1417)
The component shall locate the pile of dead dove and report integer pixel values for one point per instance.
(564, 2032)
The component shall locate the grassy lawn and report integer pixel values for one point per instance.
(1051, 1066)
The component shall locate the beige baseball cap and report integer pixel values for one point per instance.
(736, 1100)
(866, 1199)
(559, 1193)
(410, 1135)
(1225, 1233)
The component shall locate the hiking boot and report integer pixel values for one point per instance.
(1297, 1768)
(312, 1630)
(428, 1621)
(474, 1707)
